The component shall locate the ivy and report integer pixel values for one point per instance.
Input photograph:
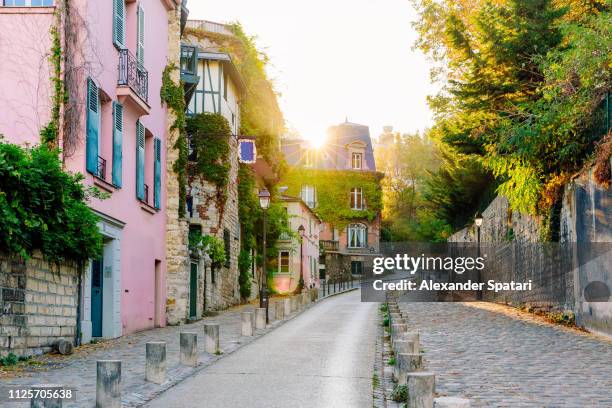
(173, 96)
(214, 247)
(210, 134)
(244, 277)
(249, 211)
(333, 193)
(44, 207)
(49, 133)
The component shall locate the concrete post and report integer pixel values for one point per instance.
(421, 386)
(247, 323)
(46, 402)
(189, 349)
(279, 309)
(108, 384)
(287, 304)
(155, 365)
(211, 338)
(451, 402)
(260, 318)
(406, 363)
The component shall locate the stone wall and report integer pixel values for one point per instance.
(177, 230)
(38, 305)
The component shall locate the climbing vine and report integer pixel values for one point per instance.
(173, 96)
(49, 133)
(333, 189)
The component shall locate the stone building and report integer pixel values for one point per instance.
(349, 240)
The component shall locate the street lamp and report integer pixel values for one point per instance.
(264, 203)
(478, 223)
(302, 232)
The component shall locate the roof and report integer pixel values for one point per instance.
(292, 199)
(228, 64)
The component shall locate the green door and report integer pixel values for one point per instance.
(193, 290)
(96, 298)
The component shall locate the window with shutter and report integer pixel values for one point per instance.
(119, 23)
(157, 174)
(140, 159)
(117, 144)
(93, 126)
(140, 36)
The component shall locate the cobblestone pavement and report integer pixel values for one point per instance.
(500, 358)
(79, 370)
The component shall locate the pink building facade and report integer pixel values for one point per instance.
(113, 130)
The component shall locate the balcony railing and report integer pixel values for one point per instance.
(209, 26)
(133, 74)
(327, 245)
(101, 171)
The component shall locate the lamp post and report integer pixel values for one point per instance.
(301, 231)
(478, 223)
(264, 203)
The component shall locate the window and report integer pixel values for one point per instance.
(28, 3)
(157, 173)
(225, 87)
(309, 196)
(283, 262)
(357, 198)
(357, 236)
(308, 158)
(141, 192)
(140, 35)
(228, 247)
(119, 23)
(93, 127)
(356, 161)
(117, 144)
(356, 267)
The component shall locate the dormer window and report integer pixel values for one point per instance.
(357, 161)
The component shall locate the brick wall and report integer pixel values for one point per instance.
(38, 305)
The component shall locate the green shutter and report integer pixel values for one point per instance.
(140, 38)
(117, 143)
(93, 126)
(157, 173)
(140, 159)
(119, 23)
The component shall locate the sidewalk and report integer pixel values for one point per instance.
(78, 371)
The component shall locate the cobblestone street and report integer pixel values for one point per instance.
(498, 357)
(79, 370)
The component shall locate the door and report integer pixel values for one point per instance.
(193, 290)
(96, 297)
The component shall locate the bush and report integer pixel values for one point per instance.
(391, 361)
(386, 322)
(400, 393)
(44, 207)
(10, 360)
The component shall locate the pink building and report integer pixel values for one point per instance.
(113, 130)
(298, 257)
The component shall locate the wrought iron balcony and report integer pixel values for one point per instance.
(327, 245)
(133, 75)
(101, 171)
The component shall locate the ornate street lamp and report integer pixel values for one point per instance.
(301, 231)
(264, 203)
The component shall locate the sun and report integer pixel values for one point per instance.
(316, 142)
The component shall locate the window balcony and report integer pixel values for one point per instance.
(189, 70)
(133, 82)
(329, 246)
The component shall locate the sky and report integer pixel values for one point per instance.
(336, 59)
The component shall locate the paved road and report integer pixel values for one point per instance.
(499, 358)
(323, 358)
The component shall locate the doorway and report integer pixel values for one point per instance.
(97, 285)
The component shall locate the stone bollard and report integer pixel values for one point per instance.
(108, 384)
(406, 363)
(451, 402)
(421, 386)
(189, 348)
(247, 323)
(279, 310)
(155, 365)
(211, 338)
(253, 320)
(260, 318)
(404, 346)
(287, 305)
(38, 401)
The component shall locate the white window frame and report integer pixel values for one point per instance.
(357, 198)
(357, 161)
(280, 257)
(357, 236)
(309, 195)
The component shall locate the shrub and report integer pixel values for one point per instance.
(400, 393)
(391, 361)
(44, 207)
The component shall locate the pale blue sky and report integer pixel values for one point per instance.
(336, 58)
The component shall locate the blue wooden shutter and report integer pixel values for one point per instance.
(140, 159)
(140, 37)
(157, 173)
(119, 23)
(117, 143)
(93, 126)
